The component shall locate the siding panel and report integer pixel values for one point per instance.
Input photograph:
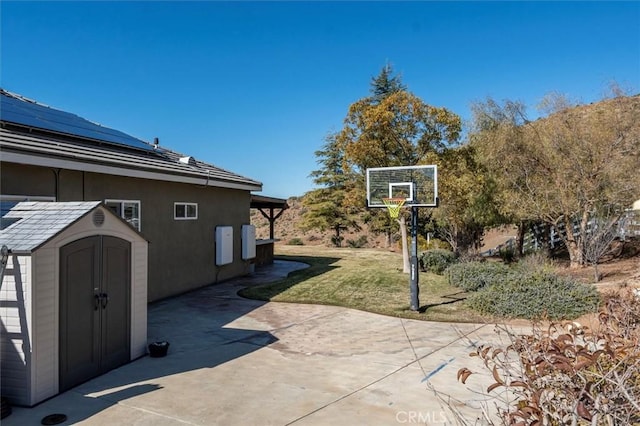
(45, 363)
(16, 330)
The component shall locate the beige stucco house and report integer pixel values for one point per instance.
(192, 213)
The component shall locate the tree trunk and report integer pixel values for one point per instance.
(338, 241)
(406, 265)
(597, 276)
(574, 246)
(520, 243)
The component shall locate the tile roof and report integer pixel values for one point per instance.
(33, 223)
(22, 138)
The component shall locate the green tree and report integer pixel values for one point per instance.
(565, 168)
(385, 84)
(393, 128)
(325, 206)
(468, 198)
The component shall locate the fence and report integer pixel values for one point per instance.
(627, 227)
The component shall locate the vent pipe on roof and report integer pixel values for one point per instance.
(156, 143)
(188, 160)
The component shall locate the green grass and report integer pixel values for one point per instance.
(366, 279)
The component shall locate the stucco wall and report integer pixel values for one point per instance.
(181, 252)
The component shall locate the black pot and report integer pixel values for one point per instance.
(158, 349)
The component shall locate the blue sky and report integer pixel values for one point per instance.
(255, 87)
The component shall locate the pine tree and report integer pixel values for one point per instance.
(326, 206)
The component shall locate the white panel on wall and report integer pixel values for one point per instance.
(224, 245)
(248, 242)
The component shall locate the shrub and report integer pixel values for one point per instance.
(436, 260)
(535, 294)
(507, 254)
(295, 242)
(472, 276)
(337, 241)
(569, 373)
(424, 245)
(537, 260)
(359, 243)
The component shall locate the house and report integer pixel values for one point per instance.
(193, 214)
(73, 301)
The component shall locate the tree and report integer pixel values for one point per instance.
(385, 84)
(603, 230)
(326, 207)
(563, 168)
(394, 127)
(468, 198)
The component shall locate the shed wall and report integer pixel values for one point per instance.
(29, 309)
(16, 329)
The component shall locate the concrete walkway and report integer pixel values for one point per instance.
(234, 361)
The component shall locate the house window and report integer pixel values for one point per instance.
(185, 211)
(129, 210)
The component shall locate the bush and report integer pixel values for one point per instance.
(537, 260)
(424, 245)
(359, 243)
(337, 241)
(436, 260)
(295, 242)
(569, 373)
(472, 276)
(507, 254)
(535, 294)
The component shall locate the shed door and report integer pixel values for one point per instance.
(95, 283)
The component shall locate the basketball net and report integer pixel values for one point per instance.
(394, 205)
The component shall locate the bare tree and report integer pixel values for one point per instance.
(602, 231)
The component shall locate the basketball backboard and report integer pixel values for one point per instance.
(417, 184)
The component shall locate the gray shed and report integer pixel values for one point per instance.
(73, 297)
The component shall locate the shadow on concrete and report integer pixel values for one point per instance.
(318, 265)
(195, 324)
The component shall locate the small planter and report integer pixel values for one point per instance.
(158, 349)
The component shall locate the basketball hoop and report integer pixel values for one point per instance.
(394, 205)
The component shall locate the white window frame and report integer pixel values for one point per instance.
(186, 210)
(135, 223)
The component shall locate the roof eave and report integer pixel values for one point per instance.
(81, 165)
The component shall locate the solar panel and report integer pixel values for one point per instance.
(20, 111)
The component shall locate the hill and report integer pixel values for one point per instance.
(286, 228)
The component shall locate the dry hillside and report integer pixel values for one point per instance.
(286, 228)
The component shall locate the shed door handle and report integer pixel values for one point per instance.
(96, 301)
(105, 299)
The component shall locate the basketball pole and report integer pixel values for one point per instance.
(413, 280)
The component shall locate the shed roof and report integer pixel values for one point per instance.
(30, 224)
(36, 134)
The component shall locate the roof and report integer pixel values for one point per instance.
(36, 134)
(32, 223)
(260, 201)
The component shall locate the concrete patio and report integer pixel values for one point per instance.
(235, 361)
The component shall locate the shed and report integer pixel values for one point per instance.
(73, 297)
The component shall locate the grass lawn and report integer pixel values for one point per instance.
(366, 279)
